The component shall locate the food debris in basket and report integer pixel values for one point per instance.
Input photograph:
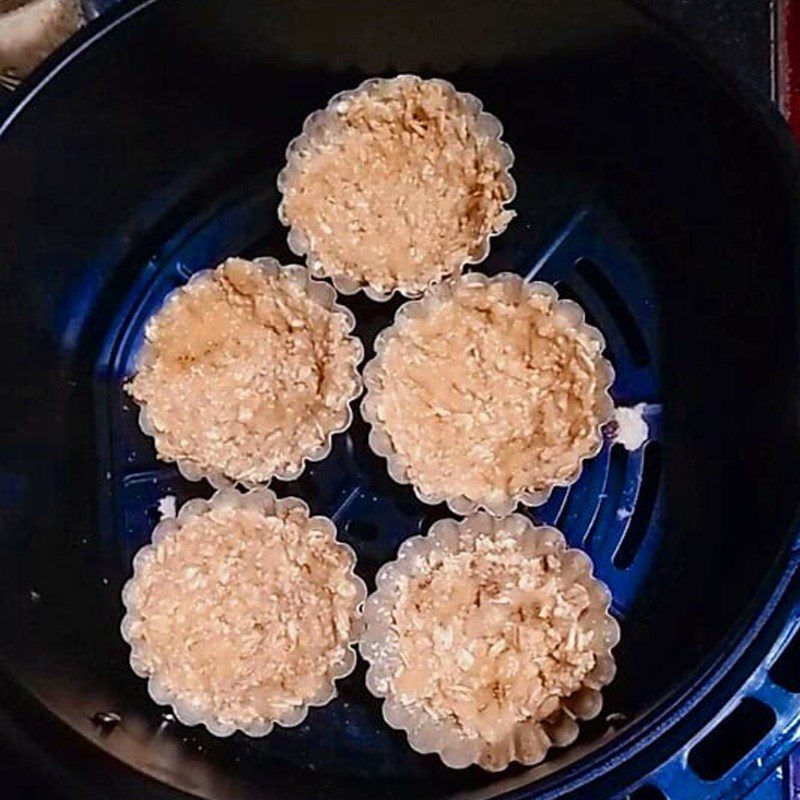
(167, 506)
(632, 431)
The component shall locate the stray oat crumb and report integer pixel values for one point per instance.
(632, 429)
(167, 507)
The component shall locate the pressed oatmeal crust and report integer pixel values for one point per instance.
(490, 638)
(489, 394)
(243, 614)
(402, 189)
(247, 374)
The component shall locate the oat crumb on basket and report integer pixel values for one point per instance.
(632, 429)
(167, 506)
(246, 373)
(489, 393)
(401, 188)
(242, 614)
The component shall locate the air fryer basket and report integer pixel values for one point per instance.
(648, 191)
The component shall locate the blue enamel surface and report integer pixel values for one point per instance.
(352, 487)
(608, 504)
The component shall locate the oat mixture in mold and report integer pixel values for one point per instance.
(244, 614)
(489, 393)
(246, 373)
(402, 189)
(490, 637)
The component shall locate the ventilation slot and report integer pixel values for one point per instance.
(566, 292)
(362, 530)
(786, 670)
(732, 739)
(617, 467)
(643, 510)
(628, 327)
(647, 793)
